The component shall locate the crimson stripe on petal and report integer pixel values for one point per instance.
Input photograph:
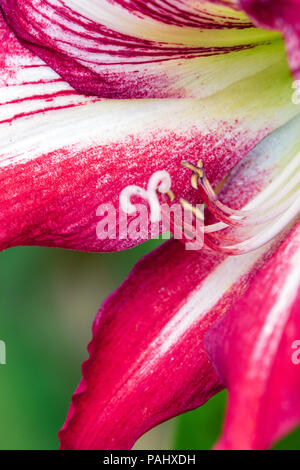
(154, 49)
(252, 349)
(63, 154)
(27, 85)
(147, 361)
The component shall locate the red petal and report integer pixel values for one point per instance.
(133, 49)
(253, 350)
(147, 361)
(63, 154)
(280, 15)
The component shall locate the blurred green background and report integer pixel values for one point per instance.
(48, 299)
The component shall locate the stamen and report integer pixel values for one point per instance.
(240, 219)
(236, 231)
(276, 204)
(261, 238)
(222, 211)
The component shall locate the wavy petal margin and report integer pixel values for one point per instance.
(254, 350)
(63, 154)
(154, 49)
(147, 360)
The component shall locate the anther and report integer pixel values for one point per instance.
(197, 170)
(279, 208)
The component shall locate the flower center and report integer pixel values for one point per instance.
(242, 231)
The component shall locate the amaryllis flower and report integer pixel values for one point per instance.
(97, 95)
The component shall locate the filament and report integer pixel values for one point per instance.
(257, 241)
(251, 227)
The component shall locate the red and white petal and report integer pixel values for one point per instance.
(147, 361)
(63, 154)
(280, 15)
(153, 49)
(252, 350)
